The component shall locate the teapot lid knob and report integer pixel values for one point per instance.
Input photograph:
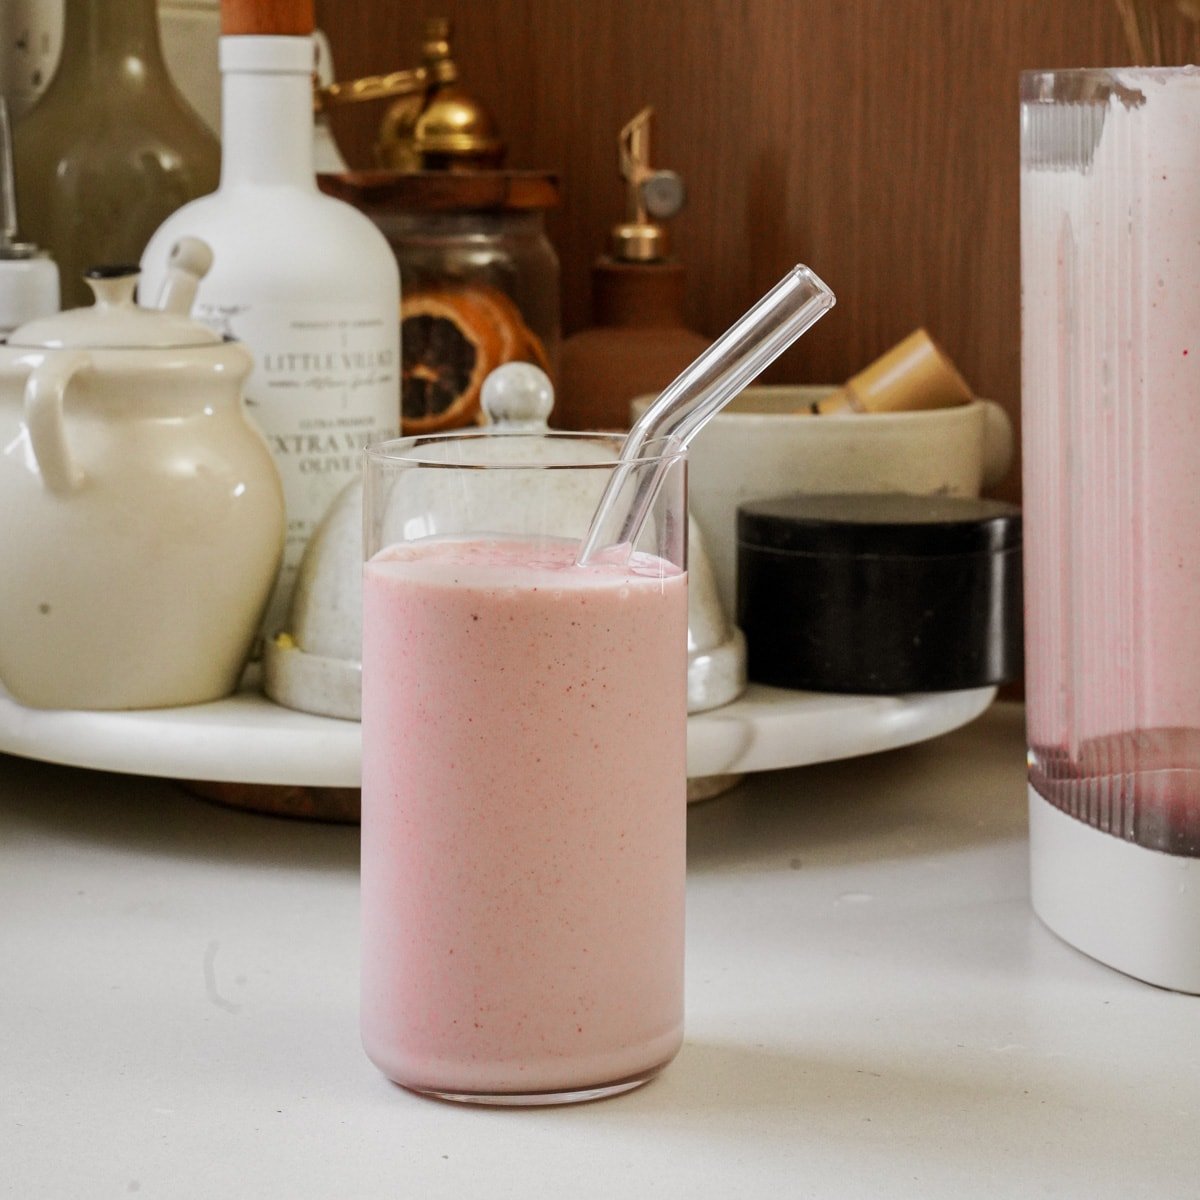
(113, 286)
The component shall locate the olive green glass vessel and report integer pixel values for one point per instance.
(111, 149)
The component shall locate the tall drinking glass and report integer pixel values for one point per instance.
(524, 771)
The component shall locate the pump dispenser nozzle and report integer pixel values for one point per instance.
(653, 196)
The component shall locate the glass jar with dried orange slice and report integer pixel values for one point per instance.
(479, 280)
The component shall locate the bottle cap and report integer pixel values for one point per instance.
(268, 18)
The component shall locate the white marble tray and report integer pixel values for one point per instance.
(249, 739)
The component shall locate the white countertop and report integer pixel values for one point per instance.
(873, 1011)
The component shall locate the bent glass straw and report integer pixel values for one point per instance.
(698, 393)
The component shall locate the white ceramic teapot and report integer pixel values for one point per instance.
(143, 515)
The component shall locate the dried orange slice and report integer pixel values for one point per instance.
(449, 343)
(522, 344)
(450, 339)
(507, 317)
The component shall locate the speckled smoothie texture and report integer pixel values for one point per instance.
(1110, 271)
(523, 812)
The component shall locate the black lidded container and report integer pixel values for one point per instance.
(880, 594)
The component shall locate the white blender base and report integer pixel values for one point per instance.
(1134, 909)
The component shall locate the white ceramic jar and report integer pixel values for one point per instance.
(143, 514)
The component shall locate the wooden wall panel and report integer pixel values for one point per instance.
(874, 139)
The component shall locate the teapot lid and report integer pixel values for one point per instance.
(115, 321)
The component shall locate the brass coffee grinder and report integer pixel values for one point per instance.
(478, 276)
(432, 124)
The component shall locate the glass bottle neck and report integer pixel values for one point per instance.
(266, 127)
(112, 41)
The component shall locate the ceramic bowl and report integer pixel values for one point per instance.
(767, 443)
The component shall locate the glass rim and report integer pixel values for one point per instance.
(392, 450)
(1094, 84)
(1080, 72)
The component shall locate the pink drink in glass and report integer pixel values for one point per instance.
(524, 777)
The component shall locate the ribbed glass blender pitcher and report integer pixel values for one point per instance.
(1110, 272)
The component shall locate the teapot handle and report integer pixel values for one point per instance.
(44, 392)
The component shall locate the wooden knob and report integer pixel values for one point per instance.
(915, 374)
(268, 18)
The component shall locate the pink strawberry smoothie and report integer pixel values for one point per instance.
(523, 812)
(1111, 379)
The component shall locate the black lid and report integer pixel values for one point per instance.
(112, 271)
(889, 524)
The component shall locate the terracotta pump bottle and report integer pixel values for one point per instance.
(640, 342)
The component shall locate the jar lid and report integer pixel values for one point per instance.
(880, 595)
(888, 525)
(114, 321)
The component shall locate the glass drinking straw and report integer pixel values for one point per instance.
(699, 392)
